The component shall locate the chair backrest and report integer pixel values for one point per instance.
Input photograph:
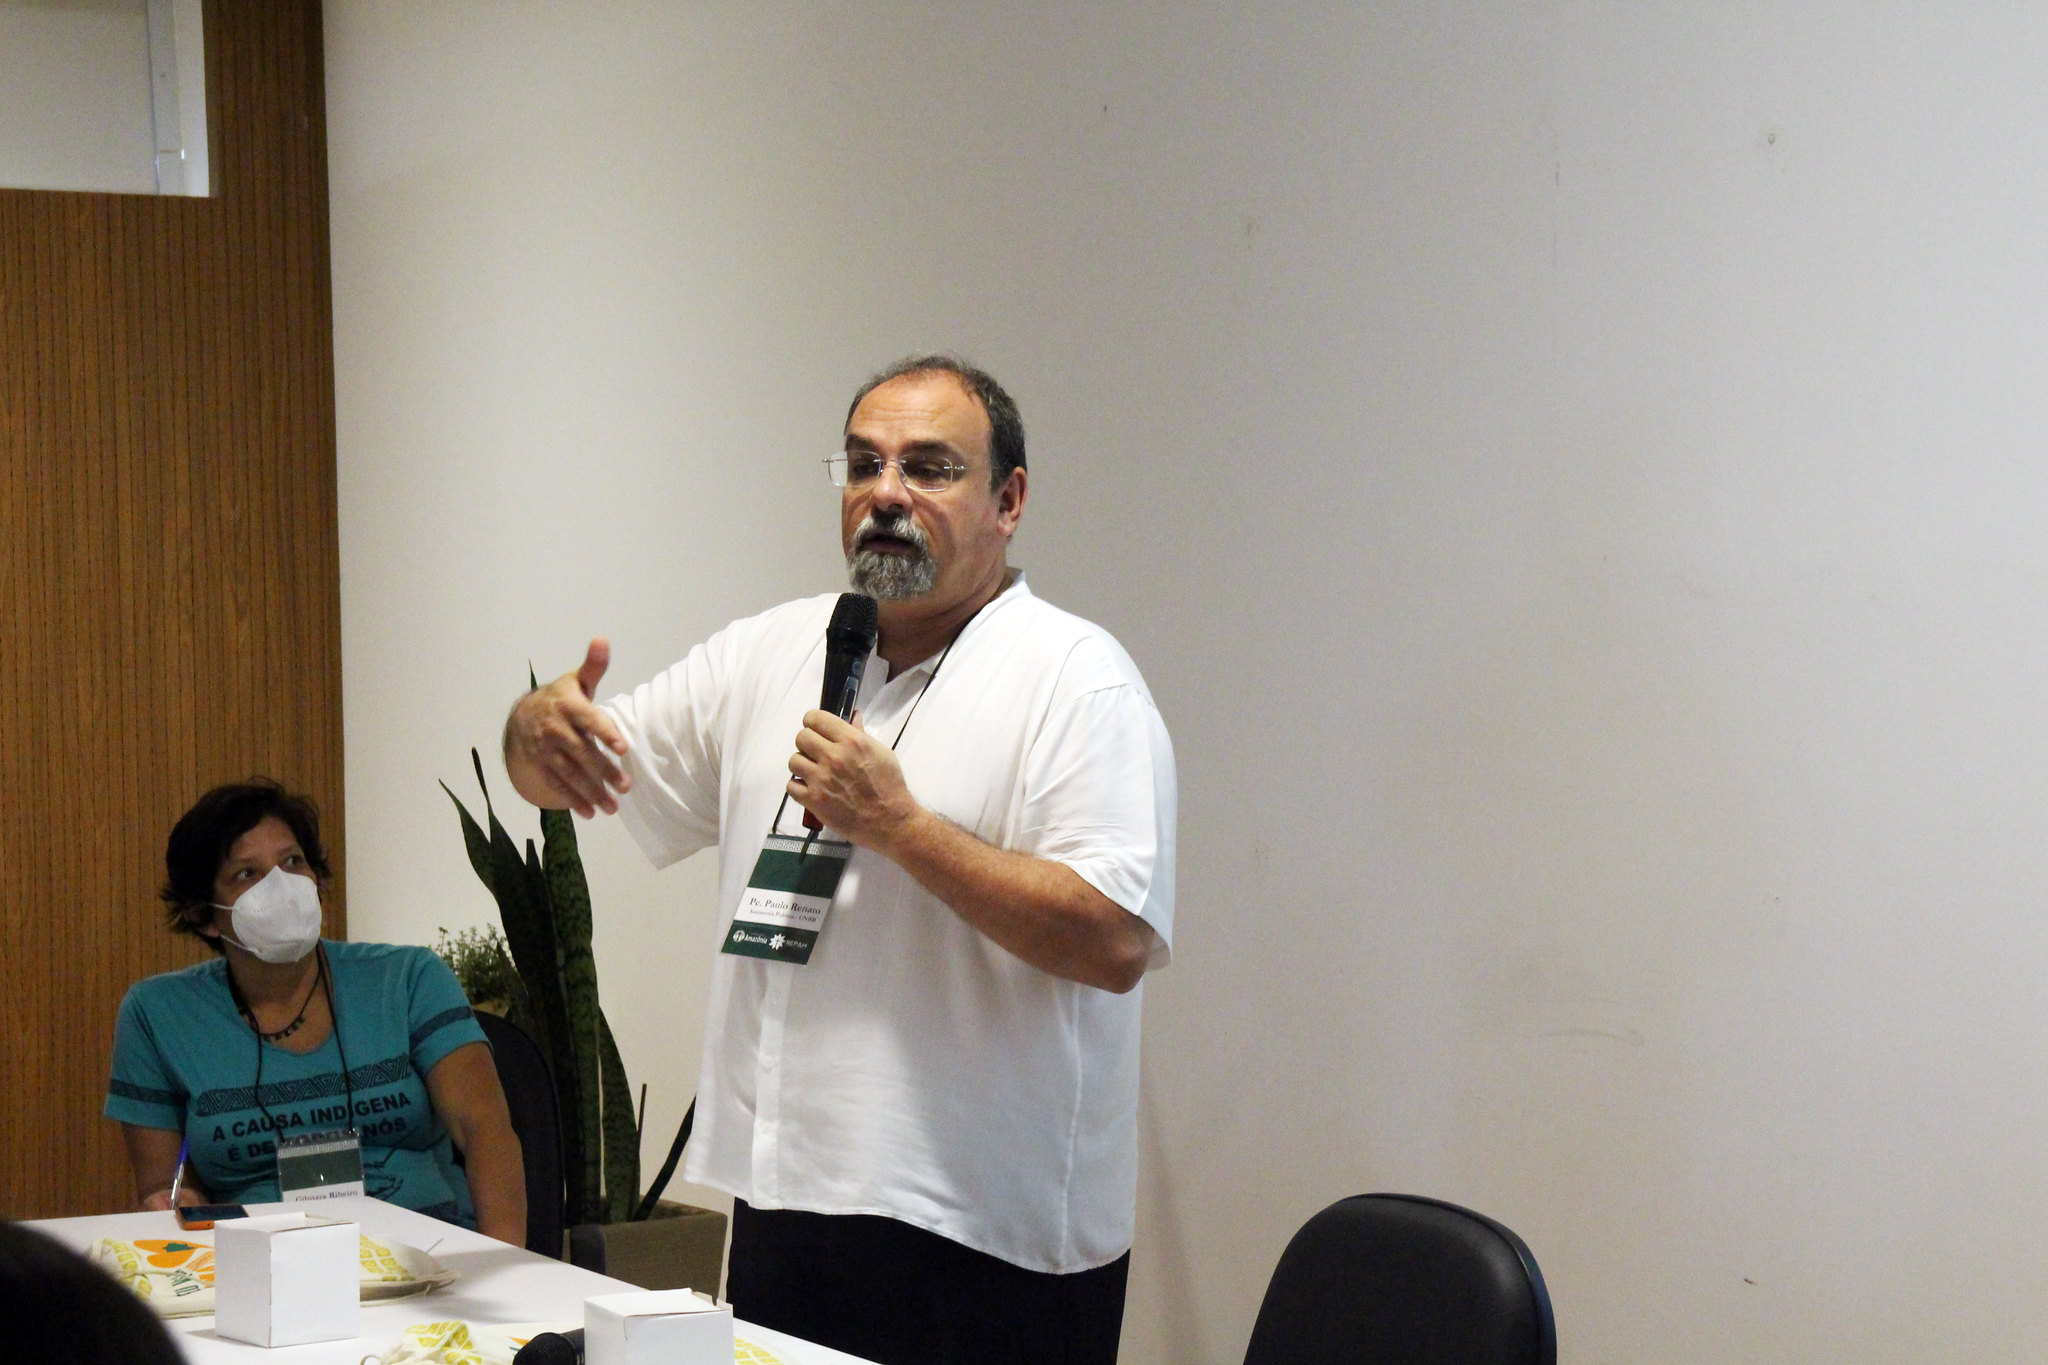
(1404, 1280)
(530, 1094)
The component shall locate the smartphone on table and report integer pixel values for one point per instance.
(197, 1217)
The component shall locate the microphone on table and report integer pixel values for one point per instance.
(856, 621)
(552, 1348)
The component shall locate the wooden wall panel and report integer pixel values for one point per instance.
(169, 571)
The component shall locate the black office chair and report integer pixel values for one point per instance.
(1404, 1280)
(530, 1094)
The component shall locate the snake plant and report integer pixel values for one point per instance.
(544, 900)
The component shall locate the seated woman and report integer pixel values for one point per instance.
(285, 1035)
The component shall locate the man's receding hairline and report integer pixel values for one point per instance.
(1006, 451)
(959, 382)
(988, 425)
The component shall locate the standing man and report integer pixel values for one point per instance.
(930, 1128)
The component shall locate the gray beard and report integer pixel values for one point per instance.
(888, 577)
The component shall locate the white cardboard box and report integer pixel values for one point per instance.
(287, 1279)
(658, 1327)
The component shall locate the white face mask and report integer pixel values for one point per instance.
(277, 919)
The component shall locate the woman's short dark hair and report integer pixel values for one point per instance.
(1005, 425)
(205, 834)
(57, 1306)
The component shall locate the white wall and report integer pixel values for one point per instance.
(1571, 473)
(75, 96)
(82, 86)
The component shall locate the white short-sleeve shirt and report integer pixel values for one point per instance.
(914, 1069)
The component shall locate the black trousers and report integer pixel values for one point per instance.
(902, 1296)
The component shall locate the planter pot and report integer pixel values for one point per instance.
(679, 1247)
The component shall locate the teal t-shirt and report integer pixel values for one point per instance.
(185, 1060)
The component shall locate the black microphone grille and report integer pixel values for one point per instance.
(855, 622)
(549, 1348)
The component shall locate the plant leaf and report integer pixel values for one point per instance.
(574, 1082)
(569, 892)
(621, 1133)
(473, 839)
(668, 1167)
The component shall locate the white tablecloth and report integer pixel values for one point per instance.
(494, 1283)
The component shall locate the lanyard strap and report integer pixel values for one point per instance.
(326, 984)
(929, 679)
(334, 1015)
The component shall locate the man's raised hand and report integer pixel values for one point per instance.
(561, 748)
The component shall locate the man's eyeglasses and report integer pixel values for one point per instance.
(926, 471)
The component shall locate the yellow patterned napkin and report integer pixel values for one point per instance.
(469, 1343)
(452, 1343)
(174, 1275)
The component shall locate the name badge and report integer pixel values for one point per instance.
(783, 909)
(319, 1166)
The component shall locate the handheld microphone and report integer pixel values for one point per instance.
(848, 642)
(856, 621)
(552, 1348)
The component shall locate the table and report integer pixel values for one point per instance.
(495, 1282)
